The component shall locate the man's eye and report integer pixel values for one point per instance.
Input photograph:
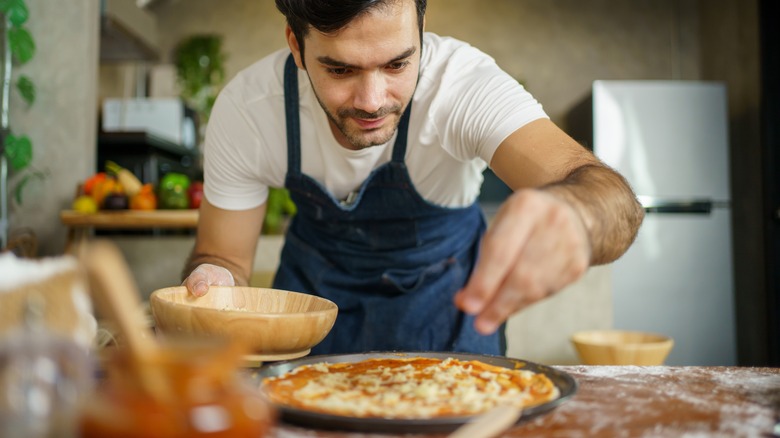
(338, 71)
(398, 65)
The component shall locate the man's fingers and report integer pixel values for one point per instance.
(200, 289)
(499, 252)
(207, 275)
(196, 283)
(535, 248)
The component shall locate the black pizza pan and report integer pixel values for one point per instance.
(565, 383)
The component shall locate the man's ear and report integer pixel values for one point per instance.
(292, 41)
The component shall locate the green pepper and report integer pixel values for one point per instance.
(173, 191)
(173, 179)
(279, 206)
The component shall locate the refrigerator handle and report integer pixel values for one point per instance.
(679, 206)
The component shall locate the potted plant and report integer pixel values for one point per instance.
(15, 148)
(200, 71)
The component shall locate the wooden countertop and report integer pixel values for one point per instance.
(131, 219)
(637, 401)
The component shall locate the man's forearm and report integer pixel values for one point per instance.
(608, 208)
(196, 259)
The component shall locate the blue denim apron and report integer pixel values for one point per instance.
(390, 260)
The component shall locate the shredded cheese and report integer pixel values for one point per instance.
(408, 388)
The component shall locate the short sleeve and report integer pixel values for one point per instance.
(477, 105)
(231, 157)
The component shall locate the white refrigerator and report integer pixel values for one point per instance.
(670, 140)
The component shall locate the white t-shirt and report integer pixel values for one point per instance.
(463, 108)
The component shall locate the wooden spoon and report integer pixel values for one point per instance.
(491, 423)
(118, 298)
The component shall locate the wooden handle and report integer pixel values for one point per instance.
(491, 423)
(118, 296)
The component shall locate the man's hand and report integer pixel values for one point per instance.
(568, 211)
(537, 244)
(224, 248)
(206, 275)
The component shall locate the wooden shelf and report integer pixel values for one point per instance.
(81, 225)
(131, 219)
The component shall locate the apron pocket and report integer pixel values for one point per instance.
(411, 280)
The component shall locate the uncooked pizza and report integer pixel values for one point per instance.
(407, 388)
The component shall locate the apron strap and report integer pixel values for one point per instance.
(292, 117)
(399, 148)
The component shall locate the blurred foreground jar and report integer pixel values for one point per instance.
(197, 391)
(43, 377)
(46, 331)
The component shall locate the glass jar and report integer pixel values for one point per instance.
(43, 377)
(191, 389)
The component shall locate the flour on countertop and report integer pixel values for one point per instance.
(748, 400)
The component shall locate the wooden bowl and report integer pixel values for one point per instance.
(620, 347)
(272, 324)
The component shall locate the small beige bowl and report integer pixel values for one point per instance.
(273, 324)
(620, 347)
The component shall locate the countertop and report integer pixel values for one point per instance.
(635, 401)
(131, 219)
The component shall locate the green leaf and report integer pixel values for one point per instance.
(22, 44)
(15, 10)
(19, 188)
(19, 151)
(26, 88)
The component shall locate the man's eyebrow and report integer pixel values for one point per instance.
(327, 60)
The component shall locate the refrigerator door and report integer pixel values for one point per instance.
(668, 138)
(676, 279)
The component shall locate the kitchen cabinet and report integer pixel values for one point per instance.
(148, 156)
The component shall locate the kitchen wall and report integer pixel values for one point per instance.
(61, 123)
(556, 48)
(730, 48)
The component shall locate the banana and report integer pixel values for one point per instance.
(128, 180)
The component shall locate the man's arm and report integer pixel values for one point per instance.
(568, 211)
(225, 239)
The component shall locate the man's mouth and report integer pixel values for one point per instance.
(367, 124)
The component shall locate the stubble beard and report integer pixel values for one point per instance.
(362, 139)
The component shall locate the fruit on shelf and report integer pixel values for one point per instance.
(278, 208)
(173, 179)
(89, 184)
(85, 204)
(145, 199)
(128, 180)
(195, 193)
(173, 191)
(105, 187)
(115, 201)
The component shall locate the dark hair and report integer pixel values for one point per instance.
(328, 16)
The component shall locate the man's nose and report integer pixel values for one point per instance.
(371, 91)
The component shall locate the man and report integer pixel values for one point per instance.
(381, 133)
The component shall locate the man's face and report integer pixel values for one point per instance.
(364, 76)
